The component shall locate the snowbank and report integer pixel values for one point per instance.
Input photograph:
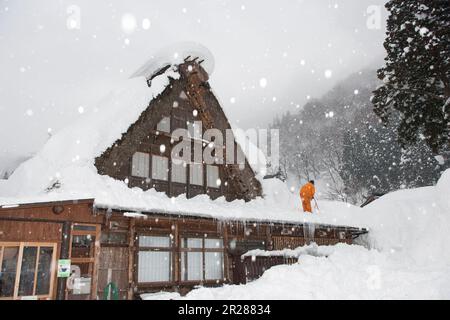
(312, 249)
(414, 223)
(349, 272)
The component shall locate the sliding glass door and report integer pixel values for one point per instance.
(27, 270)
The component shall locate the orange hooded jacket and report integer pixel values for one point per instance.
(306, 194)
(307, 191)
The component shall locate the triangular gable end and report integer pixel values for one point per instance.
(142, 156)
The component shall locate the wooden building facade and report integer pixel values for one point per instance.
(110, 251)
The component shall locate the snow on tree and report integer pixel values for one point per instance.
(416, 77)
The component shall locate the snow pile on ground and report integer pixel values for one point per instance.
(160, 296)
(415, 223)
(312, 250)
(349, 272)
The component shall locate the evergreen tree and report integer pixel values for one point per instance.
(416, 77)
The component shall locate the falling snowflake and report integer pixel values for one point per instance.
(263, 82)
(128, 23)
(146, 24)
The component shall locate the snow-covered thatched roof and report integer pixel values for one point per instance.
(64, 169)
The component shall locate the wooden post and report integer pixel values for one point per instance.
(169, 156)
(96, 263)
(177, 269)
(226, 261)
(64, 254)
(269, 241)
(188, 179)
(131, 252)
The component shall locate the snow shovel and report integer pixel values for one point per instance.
(315, 203)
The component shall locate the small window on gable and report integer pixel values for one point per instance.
(164, 125)
(159, 167)
(178, 172)
(183, 95)
(212, 176)
(196, 174)
(140, 164)
(194, 129)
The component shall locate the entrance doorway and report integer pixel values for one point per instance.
(84, 251)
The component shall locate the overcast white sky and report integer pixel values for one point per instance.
(49, 70)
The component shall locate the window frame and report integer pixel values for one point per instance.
(185, 166)
(203, 250)
(194, 132)
(21, 246)
(168, 122)
(171, 249)
(191, 175)
(218, 176)
(149, 168)
(152, 166)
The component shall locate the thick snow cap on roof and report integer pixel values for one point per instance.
(175, 54)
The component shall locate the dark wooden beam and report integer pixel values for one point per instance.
(64, 254)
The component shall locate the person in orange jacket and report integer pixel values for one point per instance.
(307, 192)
